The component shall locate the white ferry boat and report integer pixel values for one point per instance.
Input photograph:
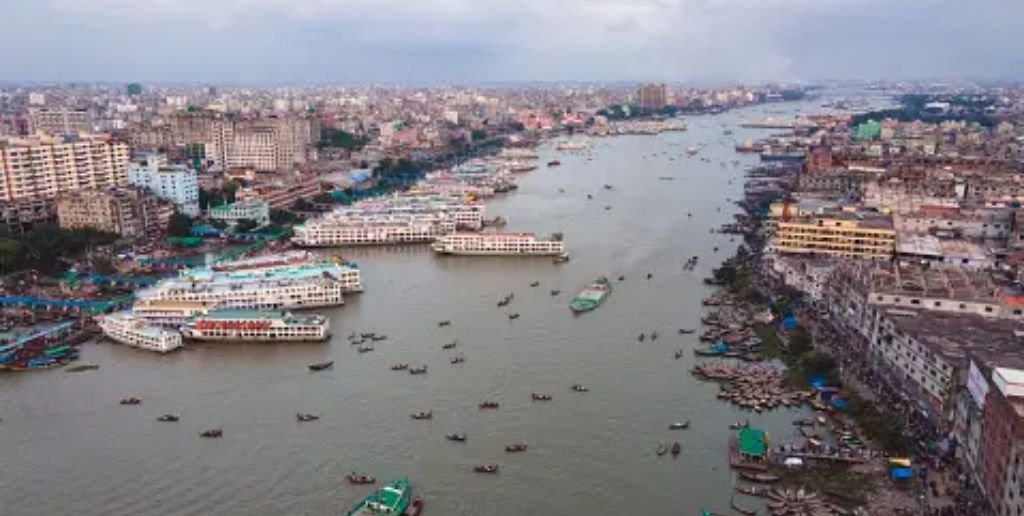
(325, 233)
(127, 329)
(285, 267)
(500, 244)
(169, 313)
(257, 326)
(281, 294)
(571, 146)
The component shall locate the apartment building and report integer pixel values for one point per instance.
(124, 211)
(44, 167)
(284, 194)
(652, 96)
(256, 148)
(842, 233)
(176, 183)
(59, 121)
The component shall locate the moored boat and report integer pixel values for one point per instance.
(394, 498)
(592, 296)
(763, 478)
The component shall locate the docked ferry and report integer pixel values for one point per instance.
(499, 244)
(276, 294)
(592, 296)
(393, 499)
(254, 325)
(345, 273)
(169, 313)
(325, 233)
(132, 331)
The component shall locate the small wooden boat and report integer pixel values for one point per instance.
(486, 468)
(679, 354)
(555, 292)
(686, 331)
(458, 360)
(579, 388)
(321, 366)
(302, 418)
(662, 449)
(378, 338)
(450, 345)
(212, 433)
(607, 187)
(168, 418)
(762, 478)
(540, 397)
(415, 508)
(360, 479)
(676, 448)
(444, 323)
(513, 316)
(641, 337)
(741, 509)
(554, 163)
(423, 415)
(589, 196)
(737, 425)
(488, 405)
(458, 437)
(649, 275)
(535, 284)
(679, 425)
(400, 367)
(130, 401)
(622, 278)
(418, 370)
(516, 448)
(365, 349)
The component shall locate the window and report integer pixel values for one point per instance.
(915, 301)
(988, 309)
(938, 304)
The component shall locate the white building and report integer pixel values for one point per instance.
(258, 211)
(176, 183)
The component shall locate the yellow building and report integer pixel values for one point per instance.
(841, 233)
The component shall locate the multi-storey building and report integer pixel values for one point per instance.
(282, 196)
(124, 211)
(652, 96)
(833, 233)
(44, 167)
(59, 121)
(176, 183)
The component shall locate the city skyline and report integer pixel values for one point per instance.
(395, 41)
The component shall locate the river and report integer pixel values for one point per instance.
(67, 447)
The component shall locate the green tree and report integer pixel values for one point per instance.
(245, 225)
(179, 225)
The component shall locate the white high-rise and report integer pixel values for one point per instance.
(176, 183)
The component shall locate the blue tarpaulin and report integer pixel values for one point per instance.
(901, 473)
(789, 323)
(721, 347)
(840, 403)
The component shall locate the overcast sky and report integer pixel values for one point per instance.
(296, 41)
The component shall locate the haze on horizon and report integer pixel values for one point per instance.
(297, 41)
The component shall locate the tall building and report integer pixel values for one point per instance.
(42, 167)
(832, 233)
(125, 211)
(176, 183)
(59, 121)
(652, 96)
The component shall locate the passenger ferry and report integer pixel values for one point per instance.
(257, 326)
(292, 269)
(132, 331)
(500, 244)
(324, 233)
(571, 146)
(169, 313)
(280, 294)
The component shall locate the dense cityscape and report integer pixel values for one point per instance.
(786, 298)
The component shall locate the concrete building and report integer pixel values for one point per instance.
(282, 195)
(175, 183)
(844, 233)
(59, 121)
(258, 211)
(44, 167)
(652, 96)
(18, 217)
(124, 211)
(989, 428)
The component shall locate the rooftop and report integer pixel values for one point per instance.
(919, 281)
(955, 335)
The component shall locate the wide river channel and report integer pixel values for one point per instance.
(68, 448)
